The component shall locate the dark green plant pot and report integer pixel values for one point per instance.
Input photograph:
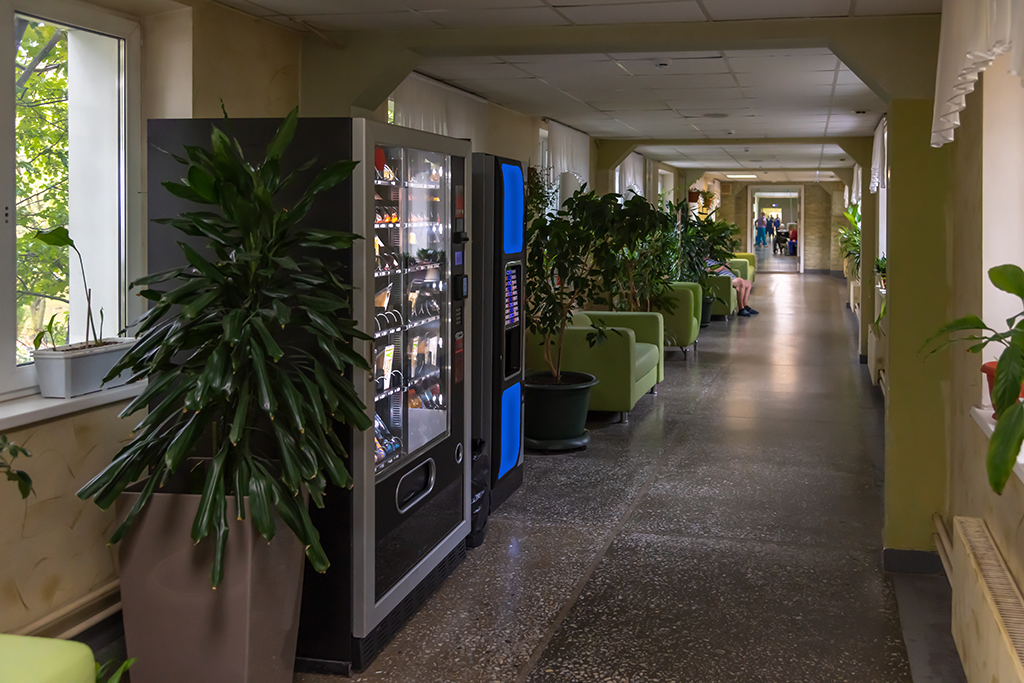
(705, 310)
(556, 414)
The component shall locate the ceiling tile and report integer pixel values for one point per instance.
(646, 12)
(453, 71)
(788, 92)
(248, 7)
(300, 7)
(795, 79)
(649, 66)
(854, 90)
(731, 10)
(633, 105)
(369, 20)
(572, 70)
(847, 77)
(789, 62)
(869, 7)
(586, 84)
(523, 16)
(688, 81)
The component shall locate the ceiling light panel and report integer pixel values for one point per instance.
(647, 12)
(735, 10)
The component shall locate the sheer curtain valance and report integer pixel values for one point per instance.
(974, 32)
(569, 151)
(879, 160)
(425, 104)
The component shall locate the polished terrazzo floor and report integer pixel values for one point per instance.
(769, 262)
(728, 533)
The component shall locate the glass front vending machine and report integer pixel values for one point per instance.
(402, 528)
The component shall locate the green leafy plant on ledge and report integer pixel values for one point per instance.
(848, 238)
(7, 465)
(111, 672)
(247, 354)
(1005, 444)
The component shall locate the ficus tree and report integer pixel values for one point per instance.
(247, 350)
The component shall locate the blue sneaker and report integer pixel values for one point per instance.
(743, 313)
(751, 311)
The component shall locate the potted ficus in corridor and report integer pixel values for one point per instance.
(561, 277)
(1005, 376)
(69, 370)
(702, 239)
(247, 354)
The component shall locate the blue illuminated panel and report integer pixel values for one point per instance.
(511, 428)
(512, 175)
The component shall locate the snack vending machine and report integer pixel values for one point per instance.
(498, 318)
(401, 529)
(406, 525)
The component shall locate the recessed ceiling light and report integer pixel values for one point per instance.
(741, 176)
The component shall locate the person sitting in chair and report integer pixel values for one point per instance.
(742, 287)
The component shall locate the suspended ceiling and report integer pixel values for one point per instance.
(400, 14)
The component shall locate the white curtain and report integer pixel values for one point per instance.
(631, 176)
(974, 32)
(879, 160)
(424, 104)
(569, 151)
(856, 189)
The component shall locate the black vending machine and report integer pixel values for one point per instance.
(401, 529)
(498, 321)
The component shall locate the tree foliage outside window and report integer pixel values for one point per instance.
(41, 138)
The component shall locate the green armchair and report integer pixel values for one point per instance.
(752, 260)
(682, 324)
(628, 363)
(25, 659)
(721, 287)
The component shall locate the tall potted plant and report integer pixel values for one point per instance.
(561, 277)
(848, 239)
(248, 355)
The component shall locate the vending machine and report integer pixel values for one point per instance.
(498, 318)
(401, 529)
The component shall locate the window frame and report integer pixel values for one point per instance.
(15, 381)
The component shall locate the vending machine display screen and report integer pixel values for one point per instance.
(511, 296)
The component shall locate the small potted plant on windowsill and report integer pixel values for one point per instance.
(1005, 376)
(72, 370)
(561, 277)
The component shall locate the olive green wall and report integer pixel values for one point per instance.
(918, 304)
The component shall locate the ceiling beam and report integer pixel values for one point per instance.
(859, 148)
(896, 56)
(611, 152)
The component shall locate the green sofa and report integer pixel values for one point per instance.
(682, 324)
(24, 659)
(721, 287)
(628, 364)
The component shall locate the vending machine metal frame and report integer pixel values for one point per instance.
(367, 610)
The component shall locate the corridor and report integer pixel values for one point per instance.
(728, 533)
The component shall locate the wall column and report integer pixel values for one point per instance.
(868, 246)
(918, 304)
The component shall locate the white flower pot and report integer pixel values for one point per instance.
(73, 370)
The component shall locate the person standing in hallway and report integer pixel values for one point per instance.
(771, 231)
(761, 225)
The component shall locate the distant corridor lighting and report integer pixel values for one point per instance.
(741, 176)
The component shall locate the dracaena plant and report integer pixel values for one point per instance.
(848, 238)
(246, 351)
(1005, 444)
(561, 273)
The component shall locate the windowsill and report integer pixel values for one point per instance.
(987, 424)
(31, 409)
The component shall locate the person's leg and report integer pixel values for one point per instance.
(742, 288)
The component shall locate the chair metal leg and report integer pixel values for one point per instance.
(654, 390)
(695, 348)
(624, 418)
(684, 352)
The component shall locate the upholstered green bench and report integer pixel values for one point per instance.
(24, 659)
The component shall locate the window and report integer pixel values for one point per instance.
(73, 109)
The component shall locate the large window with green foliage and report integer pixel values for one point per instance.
(69, 174)
(41, 149)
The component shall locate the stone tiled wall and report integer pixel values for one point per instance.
(53, 546)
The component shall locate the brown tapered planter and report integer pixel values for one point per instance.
(179, 628)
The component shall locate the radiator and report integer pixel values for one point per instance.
(988, 611)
